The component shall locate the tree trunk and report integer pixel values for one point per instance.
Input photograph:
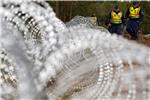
(57, 8)
(71, 8)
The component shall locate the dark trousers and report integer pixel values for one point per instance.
(132, 29)
(115, 29)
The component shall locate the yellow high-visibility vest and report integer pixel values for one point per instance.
(134, 12)
(116, 18)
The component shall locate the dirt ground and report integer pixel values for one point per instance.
(142, 39)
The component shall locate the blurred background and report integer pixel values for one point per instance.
(66, 10)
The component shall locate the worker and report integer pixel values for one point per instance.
(93, 19)
(134, 16)
(115, 20)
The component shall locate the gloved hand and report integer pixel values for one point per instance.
(138, 22)
(109, 25)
